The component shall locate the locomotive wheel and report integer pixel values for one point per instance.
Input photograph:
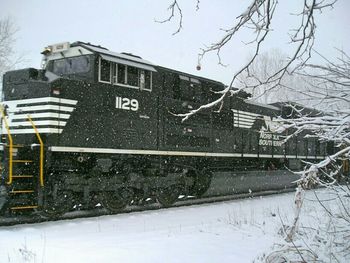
(169, 195)
(202, 180)
(117, 200)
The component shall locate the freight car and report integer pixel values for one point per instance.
(98, 127)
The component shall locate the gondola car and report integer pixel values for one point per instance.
(98, 127)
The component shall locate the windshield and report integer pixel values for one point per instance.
(72, 65)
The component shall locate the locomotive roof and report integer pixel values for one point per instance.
(269, 106)
(137, 59)
(104, 51)
(123, 58)
(304, 109)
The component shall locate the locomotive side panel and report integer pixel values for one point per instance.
(180, 94)
(224, 134)
(256, 129)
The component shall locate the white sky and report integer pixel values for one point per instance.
(124, 26)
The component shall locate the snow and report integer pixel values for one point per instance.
(233, 231)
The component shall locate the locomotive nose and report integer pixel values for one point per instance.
(25, 83)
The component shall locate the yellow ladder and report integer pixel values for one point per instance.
(10, 145)
(41, 166)
(12, 161)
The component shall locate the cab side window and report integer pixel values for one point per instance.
(124, 75)
(105, 71)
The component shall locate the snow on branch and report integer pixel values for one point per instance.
(185, 116)
(258, 17)
(173, 8)
(330, 81)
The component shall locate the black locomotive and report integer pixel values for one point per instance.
(98, 127)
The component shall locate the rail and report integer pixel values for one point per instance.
(37, 218)
(41, 167)
(10, 146)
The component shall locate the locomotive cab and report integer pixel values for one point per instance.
(69, 62)
(96, 64)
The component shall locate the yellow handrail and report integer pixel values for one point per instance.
(41, 151)
(10, 146)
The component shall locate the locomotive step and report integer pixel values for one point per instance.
(21, 191)
(16, 145)
(22, 176)
(23, 184)
(23, 199)
(23, 207)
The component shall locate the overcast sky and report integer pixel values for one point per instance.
(129, 26)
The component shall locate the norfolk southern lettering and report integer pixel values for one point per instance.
(270, 139)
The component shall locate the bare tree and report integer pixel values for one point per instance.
(328, 84)
(331, 83)
(258, 17)
(325, 84)
(8, 58)
(261, 69)
(307, 86)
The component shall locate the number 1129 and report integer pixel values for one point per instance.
(126, 104)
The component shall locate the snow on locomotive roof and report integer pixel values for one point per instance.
(116, 56)
(261, 104)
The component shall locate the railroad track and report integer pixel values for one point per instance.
(37, 218)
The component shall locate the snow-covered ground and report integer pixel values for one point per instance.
(234, 231)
